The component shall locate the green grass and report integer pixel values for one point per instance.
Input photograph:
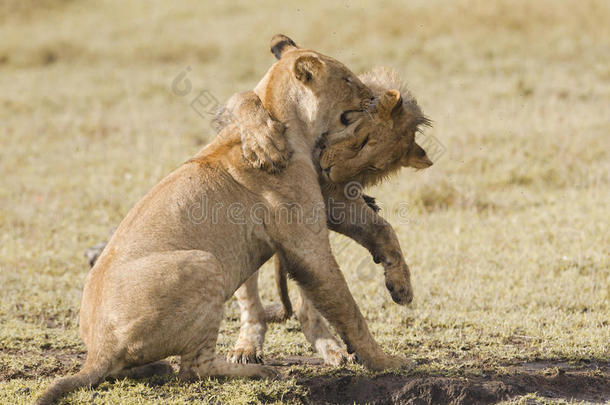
(507, 235)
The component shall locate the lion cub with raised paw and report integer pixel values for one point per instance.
(158, 288)
(379, 147)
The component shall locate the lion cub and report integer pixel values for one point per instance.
(371, 148)
(159, 287)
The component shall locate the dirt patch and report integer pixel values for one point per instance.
(554, 379)
(62, 362)
(587, 381)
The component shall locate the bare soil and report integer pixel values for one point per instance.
(589, 381)
(554, 379)
(67, 363)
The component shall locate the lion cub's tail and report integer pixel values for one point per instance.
(283, 311)
(89, 375)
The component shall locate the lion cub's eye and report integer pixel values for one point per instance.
(347, 80)
(363, 144)
(350, 116)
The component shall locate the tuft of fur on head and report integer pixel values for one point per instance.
(379, 79)
(390, 127)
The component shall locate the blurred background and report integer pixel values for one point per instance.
(506, 235)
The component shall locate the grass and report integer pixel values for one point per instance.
(507, 235)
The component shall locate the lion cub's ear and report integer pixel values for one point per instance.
(280, 44)
(416, 158)
(306, 67)
(389, 104)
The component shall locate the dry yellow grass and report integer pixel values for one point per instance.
(507, 234)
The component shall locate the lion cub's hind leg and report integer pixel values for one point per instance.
(249, 345)
(204, 363)
(313, 324)
(319, 335)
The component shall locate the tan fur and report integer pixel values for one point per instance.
(263, 141)
(390, 131)
(381, 145)
(159, 287)
(254, 123)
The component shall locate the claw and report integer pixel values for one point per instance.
(245, 356)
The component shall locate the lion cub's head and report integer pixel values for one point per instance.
(310, 87)
(381, 141)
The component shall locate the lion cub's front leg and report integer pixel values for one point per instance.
(319, 335)
(358, 219)
(264, 144)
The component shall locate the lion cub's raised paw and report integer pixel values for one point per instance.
(263, 143)
(265, 147)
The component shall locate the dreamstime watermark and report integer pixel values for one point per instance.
(207, 106)
(204, 104)
(352, 209)
(291, 214)
(432, 145)
(207, 210)
(355, 209)
(353, 190)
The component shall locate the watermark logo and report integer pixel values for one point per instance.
(353, 190)
(205, 104)
(432, 145)
(181, 86)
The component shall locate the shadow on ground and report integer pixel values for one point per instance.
(583, 380)
(554, 379)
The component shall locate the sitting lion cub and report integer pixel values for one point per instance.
(158, 288)
(380, 146)
(366, 157)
